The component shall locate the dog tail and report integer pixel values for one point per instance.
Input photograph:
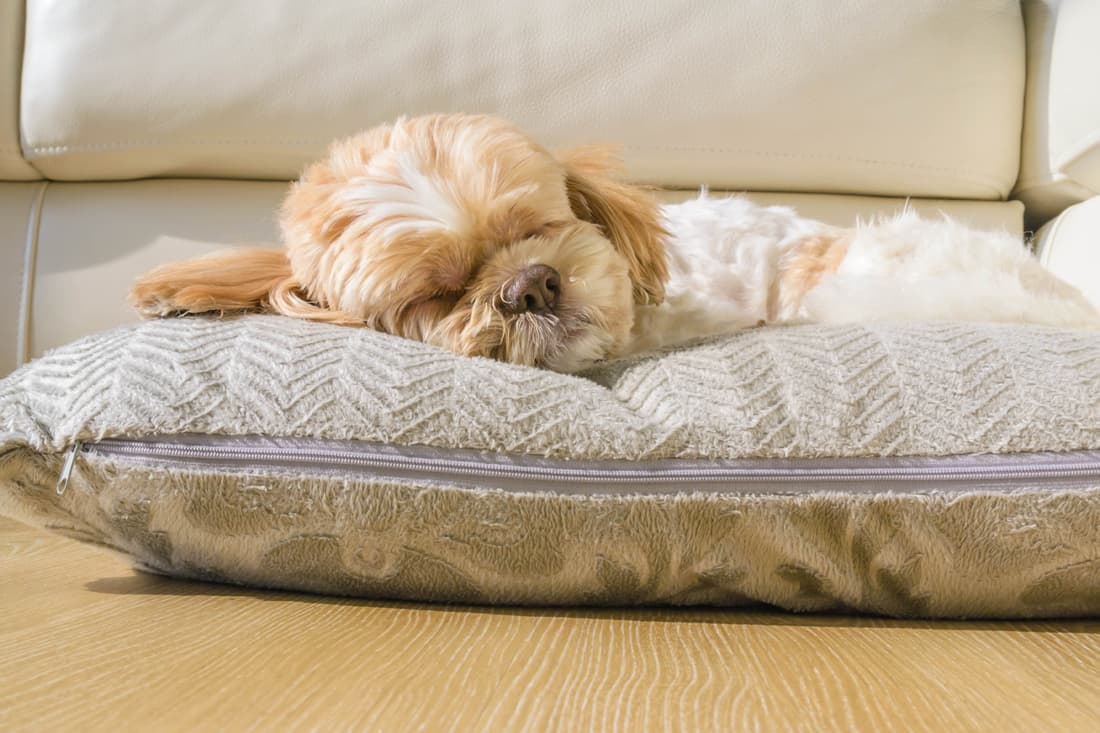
(237, 281)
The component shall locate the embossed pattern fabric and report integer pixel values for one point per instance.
(916, 389)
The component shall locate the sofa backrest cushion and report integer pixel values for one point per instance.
(920, 98)
(12, 165)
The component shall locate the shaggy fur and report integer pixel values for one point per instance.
(429, 229)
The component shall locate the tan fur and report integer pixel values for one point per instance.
(626, 213)
(809, 261)
(227, 282)
(415, 228)
(418, 228)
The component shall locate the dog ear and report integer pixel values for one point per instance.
(228, 282)
(628, 215)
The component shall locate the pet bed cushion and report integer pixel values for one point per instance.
(915, 470)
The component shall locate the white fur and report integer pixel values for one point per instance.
(409, 202)
(725, 255)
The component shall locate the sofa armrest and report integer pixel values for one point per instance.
(1069, 246)
(1060, 160)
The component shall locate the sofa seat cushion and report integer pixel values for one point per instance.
(92, 240)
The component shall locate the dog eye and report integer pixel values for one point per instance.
(544, 230)
(436, 299)
(431, 308)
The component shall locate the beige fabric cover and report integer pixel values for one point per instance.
(918, 98)
(1069, 246)
(1060, 163)
(926, 389)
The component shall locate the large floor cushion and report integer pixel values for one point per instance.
(940, 469)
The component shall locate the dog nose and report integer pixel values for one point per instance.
(534, 290)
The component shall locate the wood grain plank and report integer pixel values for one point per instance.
(87, 644)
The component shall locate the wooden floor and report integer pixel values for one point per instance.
(87, 644)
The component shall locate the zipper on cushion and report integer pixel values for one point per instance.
(67, 468)
(523, 473)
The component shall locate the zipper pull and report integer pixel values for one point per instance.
(67, 468)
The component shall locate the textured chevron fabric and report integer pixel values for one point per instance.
(796, 392)
(799, 392)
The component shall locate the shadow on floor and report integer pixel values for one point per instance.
(147, 584)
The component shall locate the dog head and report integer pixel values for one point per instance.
(463, 232)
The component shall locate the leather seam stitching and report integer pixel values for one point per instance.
(926, 171)
(94, 147)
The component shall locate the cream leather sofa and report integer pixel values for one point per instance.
(138, 131)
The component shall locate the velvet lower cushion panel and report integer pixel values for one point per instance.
(916, 470)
